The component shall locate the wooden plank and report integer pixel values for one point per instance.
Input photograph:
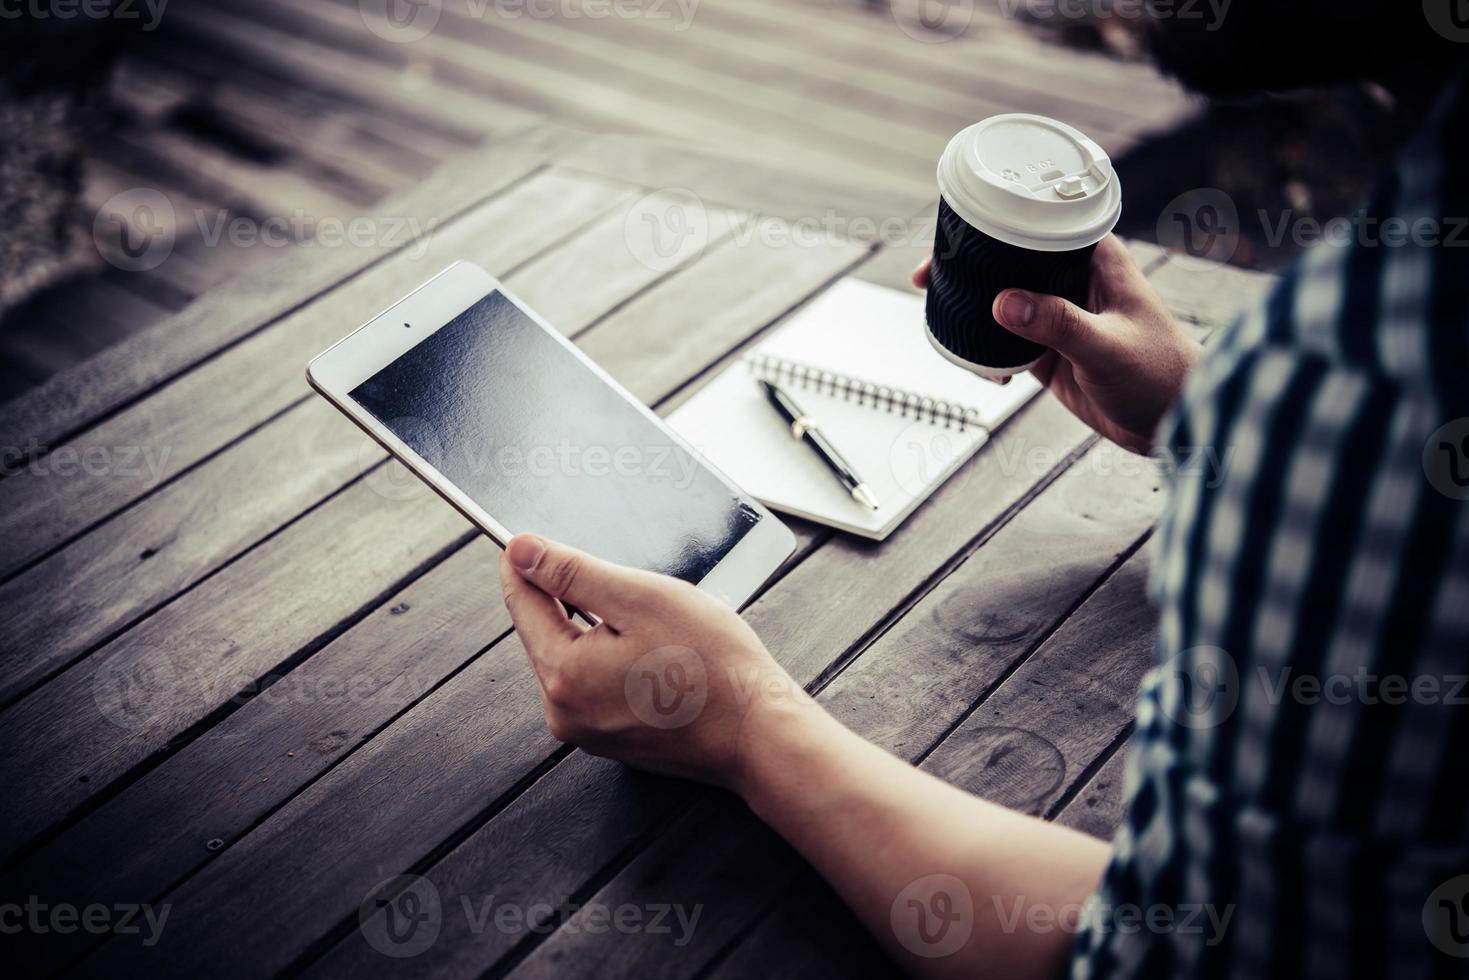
(486, 748)
(817, 203)
(64, 731)
(713, 46)
(137, 844)
(498, 857)
(1024, 746)
(1084, 90)
(1064, 708)
(287, 735)
(48, 416)
(741, 101)
(672, 343)
(74, 320)
(1206, 295)
(619, 99)
(411, 142)
(192, 268)
(904, 693)
(244, 186)
(46, 503)
(1012, 64)
(297, 134)
(402, 93)
(808, 934)
(511, 732)
(1100, 805)
(103, 582)
(757, 41)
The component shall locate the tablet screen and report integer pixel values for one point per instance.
(542, 443)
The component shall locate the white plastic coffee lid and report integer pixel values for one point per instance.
(1031, 182)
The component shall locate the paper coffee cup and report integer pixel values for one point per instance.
(1024, 201)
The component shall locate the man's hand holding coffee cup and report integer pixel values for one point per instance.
(1117, 365)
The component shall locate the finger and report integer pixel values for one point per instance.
(540, 620)
(606, 590)
(1045, 369)
(1114, 266)
(1001, 381)
(920, 274)
(1053, 322)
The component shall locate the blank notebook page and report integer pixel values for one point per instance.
(845, 358)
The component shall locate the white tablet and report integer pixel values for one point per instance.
(518, 429)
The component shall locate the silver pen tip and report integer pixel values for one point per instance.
(864, 495)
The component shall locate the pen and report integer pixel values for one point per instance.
(803, 427)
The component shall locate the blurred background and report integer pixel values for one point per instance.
(127, 119)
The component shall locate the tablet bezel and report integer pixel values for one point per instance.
(338, 370)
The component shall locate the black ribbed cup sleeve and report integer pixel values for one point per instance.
(970, 269)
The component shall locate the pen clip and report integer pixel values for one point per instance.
(802, 425)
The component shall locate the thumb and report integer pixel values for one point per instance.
(1053, 322)
(575, 577)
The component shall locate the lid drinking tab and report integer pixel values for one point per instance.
(1032, 182)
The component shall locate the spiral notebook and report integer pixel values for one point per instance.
(857, 360)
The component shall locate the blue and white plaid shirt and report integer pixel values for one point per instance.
(1296, 770)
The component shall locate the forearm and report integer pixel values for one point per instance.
(874, 826)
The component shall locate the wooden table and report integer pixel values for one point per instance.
(250, 677)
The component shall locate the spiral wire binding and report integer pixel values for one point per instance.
(778, 370)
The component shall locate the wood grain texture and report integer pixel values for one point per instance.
(339, 73)
(50, 414)
(144, 556)
(1206, 295)
(1029, 743)
(178, 816)
(1099, 806)
(1111, 101)
(904, 692)
(180, 425)
(806, 636)
(415, 804)
(1063, 708)
(373, 509)
(520, 711)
